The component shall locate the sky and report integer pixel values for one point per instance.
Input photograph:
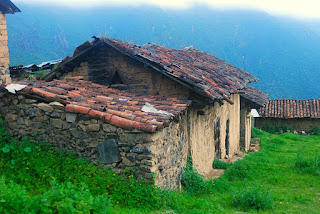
(309, 9)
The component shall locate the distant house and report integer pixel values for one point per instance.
(6, 7)
(172, 104)
(300, 115)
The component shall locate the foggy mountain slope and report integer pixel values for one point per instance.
(283, 53)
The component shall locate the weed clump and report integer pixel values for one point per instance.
(218, 164)
(256, 132)
(254, 197)
(192, 181)
(239, 170)
(315, 131)
(60, 198)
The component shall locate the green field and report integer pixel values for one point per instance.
(282, 178)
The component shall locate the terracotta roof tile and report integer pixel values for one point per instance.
(119, 108)
(287, 108)
(200, 71)
(255, 96)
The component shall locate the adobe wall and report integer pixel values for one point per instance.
(100, 66)
(200, 132)
(296, 124)
(161, 155)
(4, 52)
(245, 126)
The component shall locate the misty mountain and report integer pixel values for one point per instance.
(282, 52)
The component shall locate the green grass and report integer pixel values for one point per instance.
(218, 164)
(282, 178)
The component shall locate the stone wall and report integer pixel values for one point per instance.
(4, 52)
(107, 66)
(304, 124)
(161, 154)
(245, 126)
(199, 130)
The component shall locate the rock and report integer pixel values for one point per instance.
(127, 162)
(20, 121)
(20, 97)
(141, 157)
(93, 144)
(108, 128)
(93, 127)
(15, 101)
(56, 105)
(55, 114)
(131, 156)
(146, 162)
(82, 127)
(141, 149)
(56, 123)
(30, 101)
(295, 132)
(77, 134)
(94, 121)
(109, 152)
(45, 107)
(71, 117)
(303, 132)
(145, 168)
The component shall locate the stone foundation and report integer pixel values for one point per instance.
(161, 155)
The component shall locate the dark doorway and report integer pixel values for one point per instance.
(217, 138)
(227, 138)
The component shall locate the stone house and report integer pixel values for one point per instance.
(6, 7)
(172, 104)
(300, 115)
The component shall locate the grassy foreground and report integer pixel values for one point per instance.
(282, 178)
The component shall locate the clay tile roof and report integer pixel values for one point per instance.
(255, 96)
(6, 6)
(287, 108)
(118, 108)
(200, 71)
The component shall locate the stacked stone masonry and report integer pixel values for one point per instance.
(4, 53)
(149, 154)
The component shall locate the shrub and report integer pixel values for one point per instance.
(13, 198)
(67, 198)
(271, 129)
(239, 170)
(257, 132)
(315, 131)
(61, 198)
(254, 197)
(218, 164)
(192, 181)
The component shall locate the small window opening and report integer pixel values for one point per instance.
(227, 145)
(217, 138)
(116, 79)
